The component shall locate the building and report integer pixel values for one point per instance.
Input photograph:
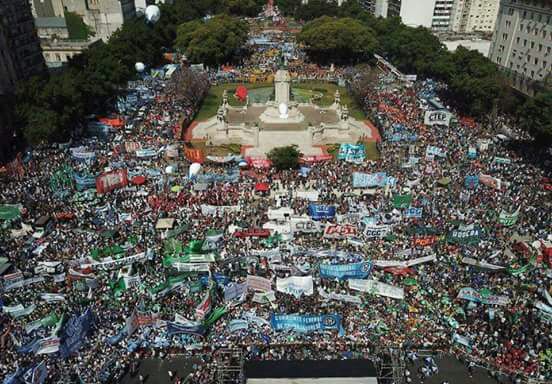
(51, 28)
(20, 58)
(481, 45)
(58, 52)
(382, 8)
(102, 16)
(474, 16)
(522, 41)
(433, 14)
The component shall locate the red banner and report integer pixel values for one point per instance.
(258, 162)
(253, 232)
(110, 181)
(194, 155)
(315, 159)
(337, 231)
(424, 241)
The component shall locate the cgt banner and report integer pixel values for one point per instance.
(319, 212)
(110, 181)
(339, 231)
(345, 271)
(437, 118)
(306, 323)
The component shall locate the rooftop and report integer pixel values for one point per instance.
(50, 22)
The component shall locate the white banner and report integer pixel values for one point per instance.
(376, 231)
(437, 117)
(48, 345)
(210, 210)
(307, 195)
(257, 283)
(296, 285)
(339, 297)
(305, 225)
(112, 264)
(52, 297)
(481, 264)
(264, 297)
(189, 267)
(404, 264)
(280, 214)
(23, 283)
(377, 288)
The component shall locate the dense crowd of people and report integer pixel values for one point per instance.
(112, 250)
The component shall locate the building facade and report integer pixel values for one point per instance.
(103, 16)
(433, 14)
(382, 8)
(522, 41)
(20, 58)
(474, 16)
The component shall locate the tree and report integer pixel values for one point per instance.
(536, 116)
(317, 8)
(338, 40)
(284, 158)
(249, 8)
(212, 42)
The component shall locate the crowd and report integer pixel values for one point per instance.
(113, 251)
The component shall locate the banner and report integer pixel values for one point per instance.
(257, 283)
(413, 212)
(404, 264)
(264, 297)
(82, 154)
(194, 155)
(369, 180)
(432, 151)
(177, 329)
(24, 283)
(402, 201)
(376, 231)
(237, 325)
(189, 267)
(110, 181)
(456, 338)
(47, 321)
(47, 346)
(212, 210)
(296, 286)
(471, 181)
(339, 297)
(113, 264)
(490, 181)
(508, 219)
(52, 297)
(307, 195)
(204, 307)
(338, 231)
(481, 264)
(36, 374)
(345, 271)
(351, 153)
(437, 118)
(84, 182)
(471, 294)
(145, 152)
(21, 311)
(319, 212)
(465, 235)
(502, 160)
(305, 226)
(233, 290)
(305, 323)
(377, 288)
(74, 332)
(140, 319)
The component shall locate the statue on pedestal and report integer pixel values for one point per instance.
(344, 113)
(225, 98)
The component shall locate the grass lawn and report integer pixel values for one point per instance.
(327, 90)
(214, 98)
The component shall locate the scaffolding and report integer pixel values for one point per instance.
(390, 363)
(229, 365)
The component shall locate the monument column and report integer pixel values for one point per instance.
(282, 81)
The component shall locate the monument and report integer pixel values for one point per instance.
(260, 127)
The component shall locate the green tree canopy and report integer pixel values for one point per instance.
(214, 41)
(338, 40)
(284, 158)
(536, 116)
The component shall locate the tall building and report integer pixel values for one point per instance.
(102, 16)
(474, 16)
(382, 8)
(522, 40)
(433, 14)
(20, 58)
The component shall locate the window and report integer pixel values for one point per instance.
(540, 47)
(544, 64)
(536, 61)
(532, 44)
(504, 36)
(517, 40)
(525, 42)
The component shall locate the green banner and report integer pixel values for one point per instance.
(215, 315)
(508, 219)
(402, 201)
(465, 235)
(9, 212)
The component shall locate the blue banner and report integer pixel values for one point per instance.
(74, 332)
(176, 329)
(351, 152)
(306, 323)
(36, 374)
(318, 212)
(233, 290)
(116, 339)
(471, 181)
(366, 180)
(413, 212)
(84, 182)
(345, 271)
(231, 176)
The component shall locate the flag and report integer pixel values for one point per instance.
(402, 201)
(36, 374)
(204, 307)
(217, 314)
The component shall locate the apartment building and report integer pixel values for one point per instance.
(470, 16)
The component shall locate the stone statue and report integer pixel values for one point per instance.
(344, 113)
(337, 97)
(220, 114)
(225, 97)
